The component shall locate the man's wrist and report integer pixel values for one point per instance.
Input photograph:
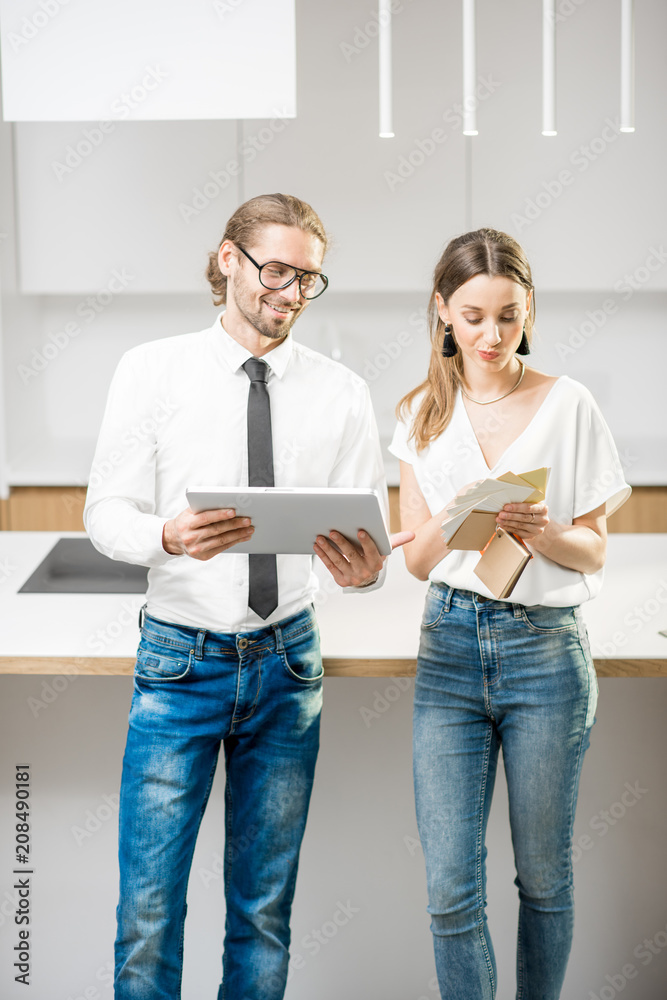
(369, 583)
(167, 543)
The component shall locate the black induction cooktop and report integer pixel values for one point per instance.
(74, 566)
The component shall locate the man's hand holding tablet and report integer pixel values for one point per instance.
(288, 520)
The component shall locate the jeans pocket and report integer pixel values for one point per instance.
(156, 665)
(301, 657)
(548, 621)
(434, 608)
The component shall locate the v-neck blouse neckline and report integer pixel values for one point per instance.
(538, 412)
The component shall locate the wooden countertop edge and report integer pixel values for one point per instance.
(333, 666)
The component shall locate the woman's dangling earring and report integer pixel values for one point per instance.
(449, 347)
(524, 346)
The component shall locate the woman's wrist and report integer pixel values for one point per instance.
(542, 543)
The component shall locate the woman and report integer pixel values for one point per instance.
(515, 673)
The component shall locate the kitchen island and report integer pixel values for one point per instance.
(371, 635)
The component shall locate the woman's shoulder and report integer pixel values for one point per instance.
(563, 387)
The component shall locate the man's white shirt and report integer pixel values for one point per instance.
(176, 417)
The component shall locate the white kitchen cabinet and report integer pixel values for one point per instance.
(150, 61)
(589, 204)
(144, 199)
(390, 204)
(124, 207)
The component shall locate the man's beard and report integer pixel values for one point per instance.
(256, 317)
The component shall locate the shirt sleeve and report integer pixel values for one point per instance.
(400, 446)
(599, 477)
(360, 464)
(119, 514)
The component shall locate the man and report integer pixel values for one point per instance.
(229, 650)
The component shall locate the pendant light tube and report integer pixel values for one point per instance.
(627, 66)
(469, 70)
(548, 68)
(386, 116)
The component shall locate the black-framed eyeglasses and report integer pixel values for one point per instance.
(275, 275)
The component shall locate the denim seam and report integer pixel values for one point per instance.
(590, 667)
(495, 648)
(165, 677)
(307, 681)
(485, 686)
(519, 964)
(227, 866)
(259, 649)
(163, 640)
(561, 630)
(429, 626)
(446, 599)
(251, 712)
(232, 724)
(479, 863)
(575, 782)
(573, 804)
(289, 636)
(185, 905)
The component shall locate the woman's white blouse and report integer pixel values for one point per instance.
(569, 435)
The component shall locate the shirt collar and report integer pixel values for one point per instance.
(235, 355)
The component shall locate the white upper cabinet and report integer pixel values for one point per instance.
(155, 60)
(590, 204)
(145, 200)
(153, 197)
(389, 204)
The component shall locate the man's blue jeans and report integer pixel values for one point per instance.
(260, 693)
(492, 674)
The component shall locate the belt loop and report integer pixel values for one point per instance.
(518, 609)
(279, 638)
(448, 597)
(199, 646)
(142, 615)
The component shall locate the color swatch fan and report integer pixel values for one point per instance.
(471, 516)
(471, 524)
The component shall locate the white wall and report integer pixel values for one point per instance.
(56, 412)
(361, 847)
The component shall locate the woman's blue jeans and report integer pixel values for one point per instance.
(494, 674)
(260, 693)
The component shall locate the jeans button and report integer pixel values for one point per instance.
(243, 643)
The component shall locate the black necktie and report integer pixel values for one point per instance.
(263, 573)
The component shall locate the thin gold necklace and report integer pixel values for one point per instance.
(485, 402)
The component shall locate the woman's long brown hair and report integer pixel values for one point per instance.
(484, 251)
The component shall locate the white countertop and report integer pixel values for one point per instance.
(624, 622)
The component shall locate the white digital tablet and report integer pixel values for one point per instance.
(288, 520)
